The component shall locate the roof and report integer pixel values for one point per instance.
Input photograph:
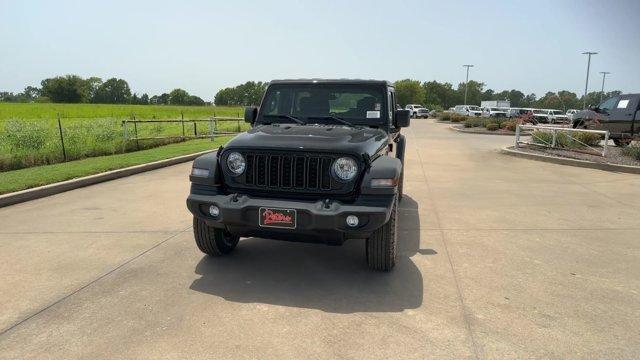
(332, 81)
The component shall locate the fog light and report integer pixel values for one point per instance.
(352, 220)
(214, 211)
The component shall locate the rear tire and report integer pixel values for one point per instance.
(213, 241)
(381, 245)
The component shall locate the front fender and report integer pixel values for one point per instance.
(209, 162)
(384, 167)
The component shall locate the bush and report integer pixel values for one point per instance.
(590, 139)
(473, 122)
(456, 118)
(542, 137)
(508, 125)
(632, 151)
(492, 126)
(445, 116)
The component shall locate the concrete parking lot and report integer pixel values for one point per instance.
(499, 257)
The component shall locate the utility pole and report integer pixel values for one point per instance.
(466, 83)
(586, 85)
(604, 75)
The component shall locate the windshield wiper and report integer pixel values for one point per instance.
(284, 116)
(333, 117)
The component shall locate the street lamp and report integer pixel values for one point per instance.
(586, 85)
(604, 75)
(466, 83)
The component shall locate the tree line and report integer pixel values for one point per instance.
(431, 94)
(436, 95)
(75, 89)
(439, 96)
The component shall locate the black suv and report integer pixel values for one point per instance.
(323, 162)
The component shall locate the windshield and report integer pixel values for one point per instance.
(557, 112)
(322, 103)
(538, 111)
(496, 109)
(417, 106)
(475, 108)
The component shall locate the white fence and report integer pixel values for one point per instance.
(554, 130)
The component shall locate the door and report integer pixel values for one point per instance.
(622, 113)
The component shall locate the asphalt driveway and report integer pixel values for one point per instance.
(499, 257)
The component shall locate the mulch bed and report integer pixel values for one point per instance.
(614, 155)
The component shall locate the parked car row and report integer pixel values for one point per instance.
(546, 116)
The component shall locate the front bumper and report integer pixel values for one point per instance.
(317, 221)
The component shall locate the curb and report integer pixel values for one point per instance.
(509, 150)
(452, 127)
(59, 187)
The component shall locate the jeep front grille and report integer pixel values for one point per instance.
(291, 172)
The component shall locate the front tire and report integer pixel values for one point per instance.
(381, 246)
(213, 241)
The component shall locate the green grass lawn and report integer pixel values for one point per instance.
(73, 111)
(30, 134)
(16, 180)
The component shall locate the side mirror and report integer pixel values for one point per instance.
(250, 114)
(403, 118)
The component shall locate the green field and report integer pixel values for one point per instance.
(30, 135)
(71, 111)
(16, 180)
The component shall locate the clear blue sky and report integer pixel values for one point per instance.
(202, 46)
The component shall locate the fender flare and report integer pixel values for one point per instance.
(209, 162)
(384, 167)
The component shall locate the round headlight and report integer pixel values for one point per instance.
(345, 168)
(236, 163)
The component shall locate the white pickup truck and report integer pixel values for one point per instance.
(417, 111)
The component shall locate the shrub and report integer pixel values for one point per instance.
(456, 118)
(492, 126)
(445, 116)
(590, 139)
(508, 125)
(632, 151)
(473, 122)
(542, 137)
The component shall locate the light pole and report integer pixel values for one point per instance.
(586, 85)
(466, 83)
(604, 75)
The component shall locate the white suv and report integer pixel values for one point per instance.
(493, 112)
(417, 110)
(468, 110)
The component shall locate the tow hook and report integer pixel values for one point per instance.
(327, 203)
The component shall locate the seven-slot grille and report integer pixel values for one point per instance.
(288, 171)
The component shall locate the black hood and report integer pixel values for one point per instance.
(312, 138)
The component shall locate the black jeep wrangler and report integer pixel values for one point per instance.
(323, 162)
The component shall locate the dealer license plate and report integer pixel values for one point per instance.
(277, 218)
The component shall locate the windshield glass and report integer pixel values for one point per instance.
(496, 109)
(317, 103)
(474, 108)
(557, 112)
(538, 111)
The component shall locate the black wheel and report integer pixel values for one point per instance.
(622, 142)
(381, 245)
(213, 241)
